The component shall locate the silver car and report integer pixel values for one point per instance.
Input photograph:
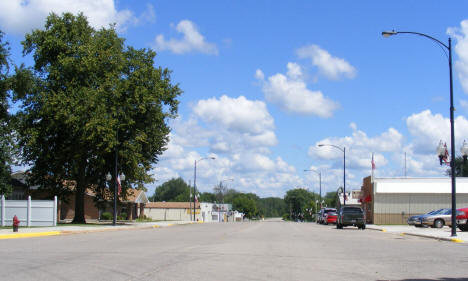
(416, 220)
(438, 220)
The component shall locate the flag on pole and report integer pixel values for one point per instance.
(119, 186)
(446, 155)
(196, 198)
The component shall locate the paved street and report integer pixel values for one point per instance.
(233, 251)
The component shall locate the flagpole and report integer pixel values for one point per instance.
(190, 199)
(405, 164)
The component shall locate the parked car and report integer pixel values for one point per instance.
(319, 216)
(462, 220)
(324, 212)
(351, 216)
(439, 219)
(462, 217)
(416, 220)
(330, 217)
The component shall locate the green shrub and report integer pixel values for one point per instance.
(106, 216)
(123, 216)
(144, 219)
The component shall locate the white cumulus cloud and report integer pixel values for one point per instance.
(427, 129)
(18, 16)
(238, 132)
(461, 49)
(359, 148)
(239, 114)
(192, 41)
(290, 93)
(330, 66)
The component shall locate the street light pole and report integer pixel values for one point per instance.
(320, 183)
(452, 123)
(220, 184)
(344, 168)
(195, 182)
(114, 219)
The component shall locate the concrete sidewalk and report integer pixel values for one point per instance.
(25, 232)
(443, 233)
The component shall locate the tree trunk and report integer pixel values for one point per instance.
(79, 196)
(79, 203)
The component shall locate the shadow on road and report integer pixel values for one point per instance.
(424, 279)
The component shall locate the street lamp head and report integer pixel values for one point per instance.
(441, 148)
(212, 158)
(387, 34)
(464, 151)
(320, 145)
(108, 176)
(122, 177)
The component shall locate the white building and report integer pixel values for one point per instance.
(352, 198)
(172, 211)
(214, 212)
(393, 200)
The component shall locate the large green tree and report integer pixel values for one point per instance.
(246, 203)
(174, 190)
(272, 207)
(299, 203)
(330, 199)
(461, 168)
(91, 99)
(6, 139)
(207, 197)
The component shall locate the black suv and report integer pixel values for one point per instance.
(351, 216)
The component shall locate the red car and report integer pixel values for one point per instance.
(330, 217)
(462, 220)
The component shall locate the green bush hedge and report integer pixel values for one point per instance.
(107, 216)
(123, 216)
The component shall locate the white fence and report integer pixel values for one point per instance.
(29, 212)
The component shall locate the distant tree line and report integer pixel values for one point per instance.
(297, 204)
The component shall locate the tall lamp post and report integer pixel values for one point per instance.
(195, 182)
(344, 167)
(117, 178)
(320, 183)
(221, 182)
(452, 109)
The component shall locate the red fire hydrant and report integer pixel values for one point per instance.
(16, 223)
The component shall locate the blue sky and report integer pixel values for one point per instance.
(266, 81)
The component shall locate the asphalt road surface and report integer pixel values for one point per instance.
(234, 251)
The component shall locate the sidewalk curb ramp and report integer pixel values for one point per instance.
(450, 239)
(454, 240)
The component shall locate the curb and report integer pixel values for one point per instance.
(377, 229)
(27, 235)
(69, 232)
(454, 240)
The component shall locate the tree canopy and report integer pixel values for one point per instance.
(174, 190)
(271, 207)
(330, 199)
(246, 203)
(461, 168)
(89, 96)
(6, 139)
(300, 203)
